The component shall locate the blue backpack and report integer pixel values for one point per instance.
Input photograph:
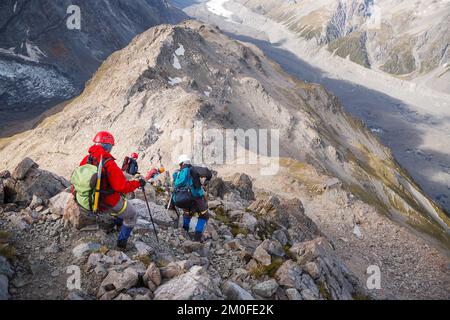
(182, 193)
(133, 168)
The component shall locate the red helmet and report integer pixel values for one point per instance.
(104, 137)
(134, 155)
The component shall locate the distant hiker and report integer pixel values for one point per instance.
(112, 186)
(189, 195)
(130, 164)
(154, 173)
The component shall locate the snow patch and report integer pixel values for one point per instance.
(216, 7)
(15, 7)
(174, 81)
(176, 62)
(34, 52)
(180, 51)
(357, 232)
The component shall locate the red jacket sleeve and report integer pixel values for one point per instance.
(117, 179)
(84, 161)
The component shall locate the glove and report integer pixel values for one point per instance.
(142, 182)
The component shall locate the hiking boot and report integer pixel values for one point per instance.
(122, 245)
(198, 237)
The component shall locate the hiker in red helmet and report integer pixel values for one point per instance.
(130, 164)
(114, 186)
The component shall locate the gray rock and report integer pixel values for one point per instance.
(5, 174)
(235, 292)
(52, 249)
(159, 213)
(319, 261)
(2, 192)
(143, 248)
(313, 270)
(281, 236)
(273, 247)
(75, 217)
(117, 281)
(266, 289)
(262, 256)
(293, 294)
(214, 204)
(5, 267)
(152, 277)
(289, 275)
(124, 297)
(4, 293)
(85, 248)
(171, 271)
(59, 203)
(249, 221)
(34, 182)
(243, 184)
(194, 285)
(22, 168)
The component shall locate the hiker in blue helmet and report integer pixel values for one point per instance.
(189, 194)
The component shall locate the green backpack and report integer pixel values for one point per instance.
(83, 180)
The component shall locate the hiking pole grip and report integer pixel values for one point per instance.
(150, 213)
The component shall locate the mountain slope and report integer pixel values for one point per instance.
(170, 77)
(42, 62)
(402, 38)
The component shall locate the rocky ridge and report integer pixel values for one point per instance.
(250, 252)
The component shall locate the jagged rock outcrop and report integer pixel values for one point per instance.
(28, 181)
(194, 285)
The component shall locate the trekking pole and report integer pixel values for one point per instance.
(150, 213)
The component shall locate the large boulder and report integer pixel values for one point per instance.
(116, 282)
(235, 292)
(28, 180)
(75, 217)
(289, 213)
(152, 277)
(59, 203)
(217, 187)
(194, 285)
(318, 259)
(242, 183)
(20, 172)
(159, 213)
(266, 289)
(290, 275)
